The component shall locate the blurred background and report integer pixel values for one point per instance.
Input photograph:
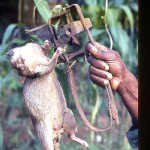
(16, 131)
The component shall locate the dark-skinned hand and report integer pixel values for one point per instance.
(105, 65)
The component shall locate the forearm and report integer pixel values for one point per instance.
(128, 90)
(49, 67)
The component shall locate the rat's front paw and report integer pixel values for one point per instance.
(59, 51)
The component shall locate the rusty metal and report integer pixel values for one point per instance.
(72, 28)
(77, 27)
(111, 102)
(107, 87)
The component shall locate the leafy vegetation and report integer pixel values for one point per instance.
(16, 131)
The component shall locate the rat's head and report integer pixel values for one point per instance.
(28, 59)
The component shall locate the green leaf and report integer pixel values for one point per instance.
(113, 16)
(14, 121)
(18, 41)
(118, 2)
(15, 137)
(91, 3)
(62, 77)
(97, 104)
(8, 32)
(43, 9)
(30, 132)
(95, 32)
(3, 48)
(129, 15)
(94, 147)
(3, 58)
(124, 43)
(36, 39)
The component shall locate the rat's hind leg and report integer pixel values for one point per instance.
(70, 127)
(44, 133)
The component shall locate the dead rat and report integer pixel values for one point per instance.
(43, 96)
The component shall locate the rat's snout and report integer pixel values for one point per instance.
(10, 53)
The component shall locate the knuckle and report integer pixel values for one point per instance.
(90, 59)
(91, 68)
(105, 76)
(91, 77)
(115, 55)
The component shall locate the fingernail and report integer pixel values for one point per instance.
(102, 47)
(109, 76)
(106, 82)
(106, 67)
(97, 45)
(94, 49)
(91, 48)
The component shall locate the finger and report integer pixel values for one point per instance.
(98, 53)
(97, 45)
(98, 63)
(101, 47)
(115, 82)
(100, 73)
(104, 53)
(98, 81)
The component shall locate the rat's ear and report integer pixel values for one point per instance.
(21, 78)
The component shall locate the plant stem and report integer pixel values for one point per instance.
(106, 26)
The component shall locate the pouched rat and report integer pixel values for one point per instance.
(43, 96)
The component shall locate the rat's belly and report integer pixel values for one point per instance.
(43, 99)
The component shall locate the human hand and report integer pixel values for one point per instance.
(105, 65)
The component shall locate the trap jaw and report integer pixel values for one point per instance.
(70, 23)
(62, 29)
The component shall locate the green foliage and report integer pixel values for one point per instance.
(43, 9)
(122, 23)
(10, 96)
(121, 19)
(8, 33)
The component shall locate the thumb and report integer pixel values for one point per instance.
(115, 82)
